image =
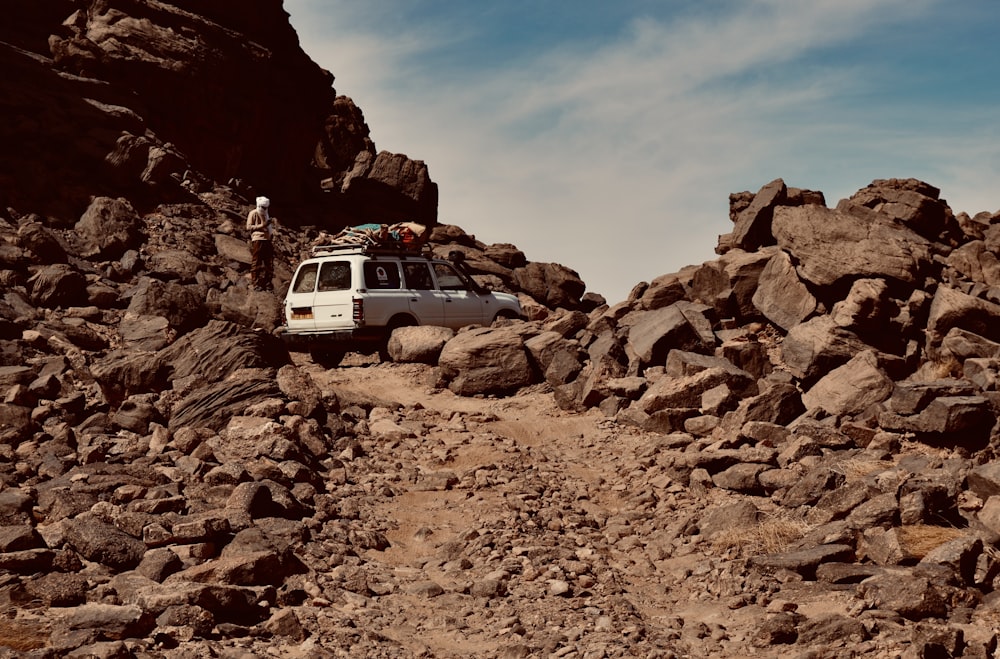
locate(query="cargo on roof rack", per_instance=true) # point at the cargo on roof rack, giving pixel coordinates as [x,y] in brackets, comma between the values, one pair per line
[399,238]
[363,248]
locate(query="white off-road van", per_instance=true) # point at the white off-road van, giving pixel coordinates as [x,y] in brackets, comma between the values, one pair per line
[348,298]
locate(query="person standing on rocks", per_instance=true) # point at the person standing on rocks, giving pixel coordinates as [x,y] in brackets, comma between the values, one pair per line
[261,251]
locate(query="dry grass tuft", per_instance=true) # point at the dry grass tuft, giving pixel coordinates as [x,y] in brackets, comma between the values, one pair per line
[771,535]
[23,634]
[920,539]
[856,468]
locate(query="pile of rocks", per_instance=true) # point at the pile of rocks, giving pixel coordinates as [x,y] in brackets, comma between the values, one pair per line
[170,474]
[797,367]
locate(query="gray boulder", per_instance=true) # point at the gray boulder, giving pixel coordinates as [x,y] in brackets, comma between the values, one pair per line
[913,203]
[552,284]
[422,344]
[850,388]
[683,325]
[686,392]
[958,420]
[558,359]
[486,360]
[728,284]
[103,543]
[781,296]
[212,406]
[666,290]
[951,308]
[183,306]
[817,346]
[976,262]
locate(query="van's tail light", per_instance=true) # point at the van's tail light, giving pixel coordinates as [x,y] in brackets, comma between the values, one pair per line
[359,311]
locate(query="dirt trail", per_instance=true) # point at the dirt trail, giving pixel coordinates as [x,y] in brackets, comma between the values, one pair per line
[590,537]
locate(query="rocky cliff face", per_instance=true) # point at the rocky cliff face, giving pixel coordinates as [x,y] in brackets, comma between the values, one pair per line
[152,101]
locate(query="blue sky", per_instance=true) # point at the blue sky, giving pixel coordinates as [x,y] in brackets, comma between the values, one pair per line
[607,136]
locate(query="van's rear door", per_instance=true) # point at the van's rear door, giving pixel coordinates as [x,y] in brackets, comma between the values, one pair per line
[299,315]
[332,304]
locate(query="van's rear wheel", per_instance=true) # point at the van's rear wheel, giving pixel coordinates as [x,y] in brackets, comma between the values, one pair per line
[326,357]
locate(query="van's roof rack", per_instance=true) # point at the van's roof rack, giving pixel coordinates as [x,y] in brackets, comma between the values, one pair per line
[381,249]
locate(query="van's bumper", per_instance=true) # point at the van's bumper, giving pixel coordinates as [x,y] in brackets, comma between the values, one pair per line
[347,339]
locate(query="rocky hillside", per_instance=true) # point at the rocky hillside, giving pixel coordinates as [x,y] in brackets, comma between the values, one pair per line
[786,451]
[154,101]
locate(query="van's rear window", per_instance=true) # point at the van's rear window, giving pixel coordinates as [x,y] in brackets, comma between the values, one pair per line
[305,281]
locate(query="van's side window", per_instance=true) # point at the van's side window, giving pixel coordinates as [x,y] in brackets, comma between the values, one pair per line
[305,282]
[448,278]
[380,275]
[334,276]
[418,276]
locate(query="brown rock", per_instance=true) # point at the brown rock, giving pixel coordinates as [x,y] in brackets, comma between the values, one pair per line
[851,388]
[486,360]
[781,295]
[914,598]
[753,226]
[102,543]
[849,242]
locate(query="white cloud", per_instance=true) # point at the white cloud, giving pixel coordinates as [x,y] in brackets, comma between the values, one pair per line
[617,161]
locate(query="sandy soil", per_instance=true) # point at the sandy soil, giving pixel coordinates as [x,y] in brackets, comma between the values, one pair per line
[591,535]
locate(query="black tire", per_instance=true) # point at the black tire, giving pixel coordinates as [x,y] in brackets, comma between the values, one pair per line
[505,314]
[327,357]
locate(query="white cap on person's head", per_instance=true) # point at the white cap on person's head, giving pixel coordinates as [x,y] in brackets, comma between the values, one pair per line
[263,202]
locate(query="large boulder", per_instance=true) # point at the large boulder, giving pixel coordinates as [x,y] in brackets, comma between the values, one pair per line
[682,326]
[912,202]
[687,391]
[109,228]
[58,285]
[182,305]
[486,360]
[952,308]
[211,353]
[977,262]
[214,405]
[753,227]
[818,345]
[552,284]
[421,344]
[851,388]
[729,283]
[836,245]
[781,296]
[122,374]
[392,187]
